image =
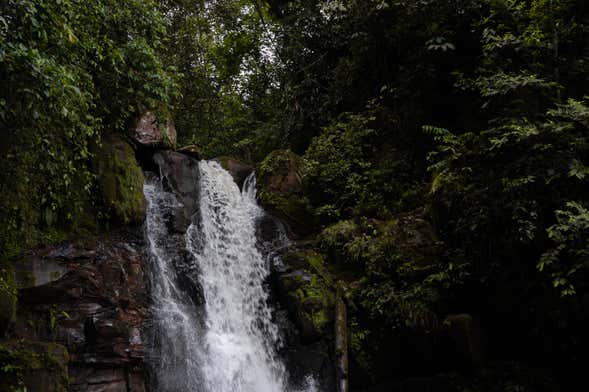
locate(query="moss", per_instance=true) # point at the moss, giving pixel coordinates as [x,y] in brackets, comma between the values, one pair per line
[224,162]
[293,209]
[280,190]
[316,296]
[121,181]
[277,163]
[27,365]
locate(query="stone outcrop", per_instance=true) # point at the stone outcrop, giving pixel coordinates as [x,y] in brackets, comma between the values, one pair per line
[304,290]
[154,130]
[239,170]
[191,150]
[180,176]
[280,190]
[88,300]
[307,293]
[120,180]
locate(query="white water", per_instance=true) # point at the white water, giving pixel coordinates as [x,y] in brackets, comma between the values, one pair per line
[239,342]
[175,323]
[230,344]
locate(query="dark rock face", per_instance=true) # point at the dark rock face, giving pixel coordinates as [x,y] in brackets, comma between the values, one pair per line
[306,291]
[238,170]
[190,150]
[281,190]
[151,131]
[306,294]
[180,174]
[93,304]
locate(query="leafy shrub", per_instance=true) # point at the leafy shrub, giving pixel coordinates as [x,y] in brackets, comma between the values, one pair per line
[70,70]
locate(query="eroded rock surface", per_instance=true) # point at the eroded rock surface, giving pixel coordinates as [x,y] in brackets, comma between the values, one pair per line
[151,130]
[90,298]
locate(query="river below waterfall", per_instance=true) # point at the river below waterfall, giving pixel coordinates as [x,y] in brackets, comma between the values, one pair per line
[223,339]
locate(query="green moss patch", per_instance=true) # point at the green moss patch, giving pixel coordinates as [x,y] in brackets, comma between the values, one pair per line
[26,365]
[315,296]
[121,181]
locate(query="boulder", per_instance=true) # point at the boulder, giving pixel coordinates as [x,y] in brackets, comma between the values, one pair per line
[306,310]
[120,180]
[154,130]
[238,170]
[280,190]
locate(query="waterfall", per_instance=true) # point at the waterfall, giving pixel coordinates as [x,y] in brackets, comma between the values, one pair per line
[229,342]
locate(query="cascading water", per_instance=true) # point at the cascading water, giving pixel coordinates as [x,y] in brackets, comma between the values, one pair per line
[229,343]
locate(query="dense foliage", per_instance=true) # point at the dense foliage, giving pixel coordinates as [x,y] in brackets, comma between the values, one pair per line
[443,151]
[70,72]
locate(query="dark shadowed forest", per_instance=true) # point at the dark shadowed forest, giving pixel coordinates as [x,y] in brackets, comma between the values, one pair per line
[427,157]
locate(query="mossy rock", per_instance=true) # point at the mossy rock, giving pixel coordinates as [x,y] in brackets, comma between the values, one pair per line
[7,299]
[310,296]
[281,190]
[406,245]
[121,181]
[33,366]
[281,172]
[155,129]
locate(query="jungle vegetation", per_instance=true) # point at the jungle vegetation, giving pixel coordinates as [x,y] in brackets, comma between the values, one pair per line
[472,115]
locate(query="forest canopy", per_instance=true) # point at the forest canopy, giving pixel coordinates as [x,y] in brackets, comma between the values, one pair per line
[472,116]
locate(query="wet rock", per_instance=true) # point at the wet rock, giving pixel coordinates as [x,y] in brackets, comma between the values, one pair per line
[306,292]
[96,309]
[154,130]
[180,176]
[102,380]
[280,190]
[238,170]
[39,272]
[191,150]
[341,345]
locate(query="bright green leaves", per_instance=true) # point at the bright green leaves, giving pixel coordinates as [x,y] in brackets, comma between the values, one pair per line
[220,49]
